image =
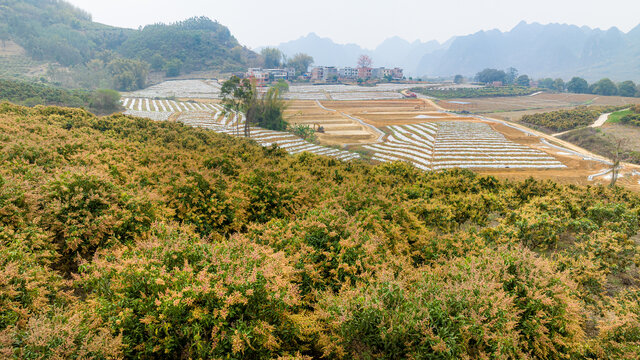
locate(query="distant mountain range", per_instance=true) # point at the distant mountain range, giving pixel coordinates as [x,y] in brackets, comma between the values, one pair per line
[553,50]
[392,52]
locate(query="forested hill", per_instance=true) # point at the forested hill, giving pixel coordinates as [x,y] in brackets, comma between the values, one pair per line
[56,31]
[197,43]
[122,237]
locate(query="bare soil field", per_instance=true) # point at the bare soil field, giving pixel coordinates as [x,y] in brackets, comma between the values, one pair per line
[381,113]
[338,128]
[513,108]
[631,134]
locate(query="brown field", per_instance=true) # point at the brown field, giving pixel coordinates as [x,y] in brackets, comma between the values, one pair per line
[381,113]
[338,128]
[513,108]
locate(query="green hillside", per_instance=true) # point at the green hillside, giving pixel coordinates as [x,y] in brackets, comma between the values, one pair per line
[101,101]
[57,32]
[124,237]
[197,43]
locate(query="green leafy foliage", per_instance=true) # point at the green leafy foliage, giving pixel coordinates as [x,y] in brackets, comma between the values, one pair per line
[124,237]
[194,44]
[506,303]
[563,120]
[58,32]
[304,131]
[633,118]
[31,94]
[476,92]
[178,295]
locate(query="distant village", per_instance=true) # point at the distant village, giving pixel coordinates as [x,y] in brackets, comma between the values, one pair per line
[326,74]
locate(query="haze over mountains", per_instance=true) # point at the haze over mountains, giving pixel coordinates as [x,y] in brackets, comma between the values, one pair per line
[553,50]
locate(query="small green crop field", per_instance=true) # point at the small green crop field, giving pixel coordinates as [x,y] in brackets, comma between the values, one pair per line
[616,116]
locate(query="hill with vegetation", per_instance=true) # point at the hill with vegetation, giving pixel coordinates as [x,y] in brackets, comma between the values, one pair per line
[606,141]
[31,94]
[91,53]
[563,120]
[124,237]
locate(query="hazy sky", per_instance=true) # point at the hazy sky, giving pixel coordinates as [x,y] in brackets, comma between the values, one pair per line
[365,22]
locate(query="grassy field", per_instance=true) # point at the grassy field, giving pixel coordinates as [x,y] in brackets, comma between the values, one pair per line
[615,117]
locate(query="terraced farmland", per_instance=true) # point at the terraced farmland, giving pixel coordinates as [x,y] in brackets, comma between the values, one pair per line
[348,92]
[448,144]
[338,128]
[213,117]
[192,89]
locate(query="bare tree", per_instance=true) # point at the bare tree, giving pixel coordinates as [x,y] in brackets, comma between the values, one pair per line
[364,61]
[616,157]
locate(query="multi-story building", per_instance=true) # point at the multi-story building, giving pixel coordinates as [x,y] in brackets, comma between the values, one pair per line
[347,73]
[317,73]
[365,73]
[384,73]
[397,73]
[330,73]
[258,74]
[324,73]
[264,75]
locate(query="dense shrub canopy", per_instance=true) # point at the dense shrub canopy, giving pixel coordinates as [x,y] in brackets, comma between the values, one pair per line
[121,236]
[477,92]
[563,120]
[31,94]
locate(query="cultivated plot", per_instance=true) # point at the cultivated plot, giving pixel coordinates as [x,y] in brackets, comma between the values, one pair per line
[514,107]
[348,92]
[191,89]
[214,117]
[337,127]
[234,125]
[441,145]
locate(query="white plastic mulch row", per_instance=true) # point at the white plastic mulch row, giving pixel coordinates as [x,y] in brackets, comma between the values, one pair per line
[153,115]
[399,153]
[196,89]
[440,145]
[387,158]
[146,104]
[232,124]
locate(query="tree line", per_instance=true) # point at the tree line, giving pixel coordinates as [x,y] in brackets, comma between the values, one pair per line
[508,77]
[511,90]
[577,85]
[275,59]
[31,94]
[604,87]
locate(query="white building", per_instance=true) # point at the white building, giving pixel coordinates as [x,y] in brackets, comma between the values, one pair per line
[348,73]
